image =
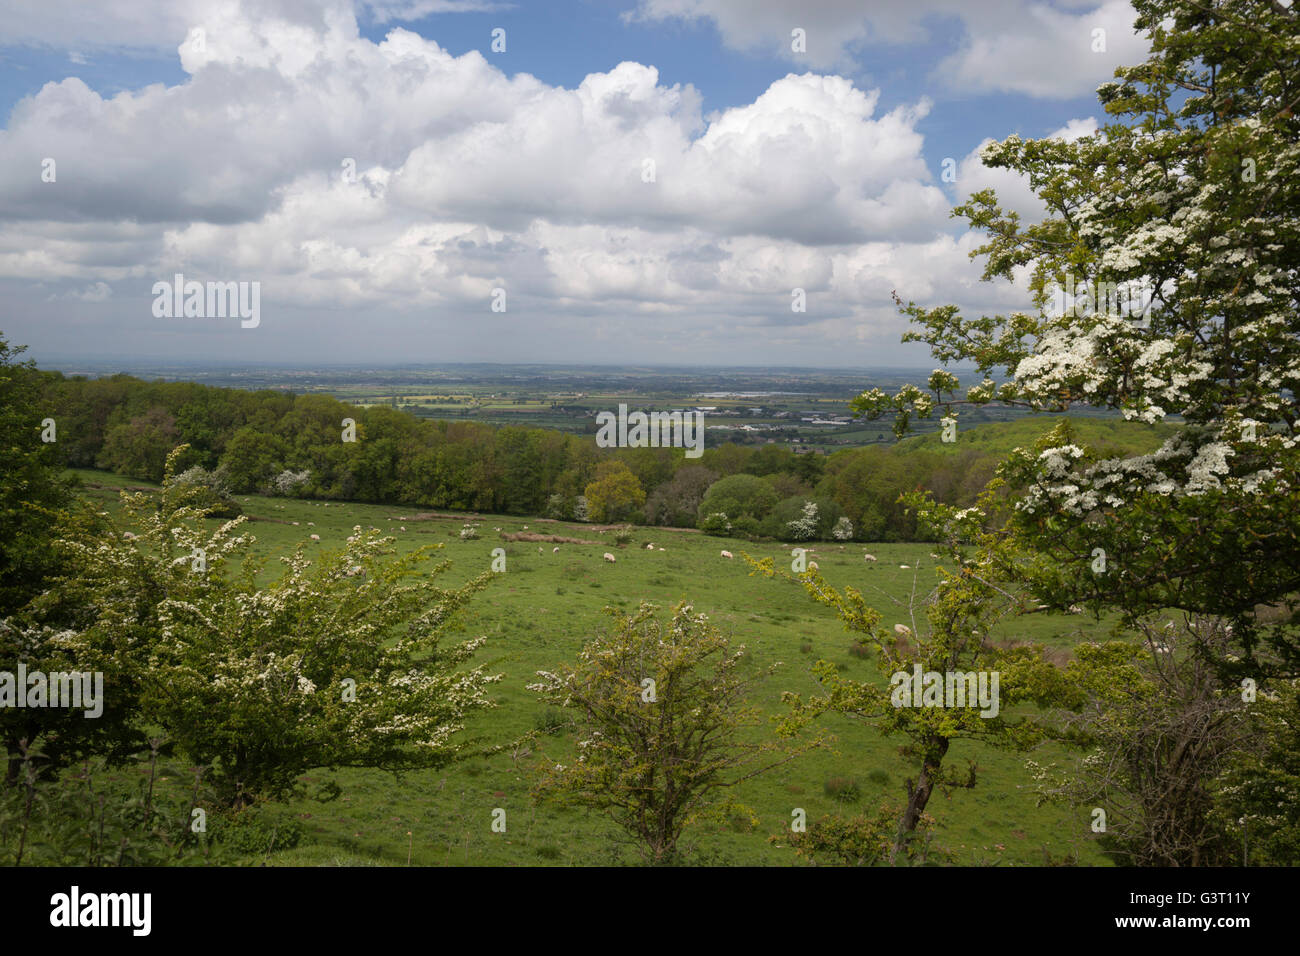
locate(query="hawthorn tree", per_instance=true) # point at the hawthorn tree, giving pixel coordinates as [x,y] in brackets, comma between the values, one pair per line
[339,661]
[664,727]
[1193,195]
[1188,203]
[952,634]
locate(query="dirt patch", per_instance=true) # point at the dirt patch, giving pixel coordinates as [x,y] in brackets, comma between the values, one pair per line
[548,538]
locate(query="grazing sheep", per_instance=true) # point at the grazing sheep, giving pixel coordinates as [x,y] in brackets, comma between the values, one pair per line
[315,537]
[726,554]
[650,547]
[902,629]
[539,549]
[129,536]
[402,528]
[555,550]
[295,524]
[1075,609]
[609,557]
[905,567]
[311,524]
[660,549]
[869,557]
[813,566]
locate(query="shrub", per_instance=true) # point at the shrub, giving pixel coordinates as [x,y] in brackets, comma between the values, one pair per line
[843,789]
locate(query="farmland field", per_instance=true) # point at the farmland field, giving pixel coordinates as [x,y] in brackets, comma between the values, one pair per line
[538,614]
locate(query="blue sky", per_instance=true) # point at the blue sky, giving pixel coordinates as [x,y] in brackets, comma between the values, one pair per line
[171,161]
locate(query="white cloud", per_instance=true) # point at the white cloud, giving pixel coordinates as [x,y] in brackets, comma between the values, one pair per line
[1022,46]
[467,180]
[1013,190]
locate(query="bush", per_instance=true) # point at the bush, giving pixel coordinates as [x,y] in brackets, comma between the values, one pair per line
[248,833]
[551,721]
[843,789]
[715,523]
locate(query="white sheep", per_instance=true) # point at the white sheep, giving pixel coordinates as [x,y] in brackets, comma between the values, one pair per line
[650,547]
[660,549]
[727,554]
[315,537]
[869,557]
[813,565]
[609,557]
[555,550]
[905,567]
[902,629]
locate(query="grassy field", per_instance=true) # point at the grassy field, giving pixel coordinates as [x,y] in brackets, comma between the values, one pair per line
[541,611]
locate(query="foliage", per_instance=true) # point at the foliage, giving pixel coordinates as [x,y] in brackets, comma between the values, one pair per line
[337,662]
[1154,727]
[615,494]
[656,757]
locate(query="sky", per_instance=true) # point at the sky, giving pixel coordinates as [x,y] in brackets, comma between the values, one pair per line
[620,182]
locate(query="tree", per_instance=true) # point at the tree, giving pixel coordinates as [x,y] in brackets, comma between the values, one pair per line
[954,646]
[338,662]
[739,497]
[677,501]
[1179,227]
[139,448]
[1154,728]
[615,494]
[33,492]
[663,724]
[1196,203]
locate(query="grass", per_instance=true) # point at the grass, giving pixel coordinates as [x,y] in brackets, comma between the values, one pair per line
[540,612]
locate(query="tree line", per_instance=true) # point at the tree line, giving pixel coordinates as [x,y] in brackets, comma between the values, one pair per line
[280,443]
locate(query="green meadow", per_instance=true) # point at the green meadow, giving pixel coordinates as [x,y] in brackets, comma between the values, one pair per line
[541,610]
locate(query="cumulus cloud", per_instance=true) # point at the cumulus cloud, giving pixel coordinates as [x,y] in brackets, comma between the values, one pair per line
[393,183]
[1023,46]
[1013,190]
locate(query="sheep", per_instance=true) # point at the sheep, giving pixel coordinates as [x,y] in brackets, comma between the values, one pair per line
[660,549]
[402,528]
[726,554]
[868,557]
[295,524]
[902,629]
[609,557]
[905,567]
[315,537]
[129,536]
[812,565]
[539,549]
[311,524]
[650,546]
[555,550]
